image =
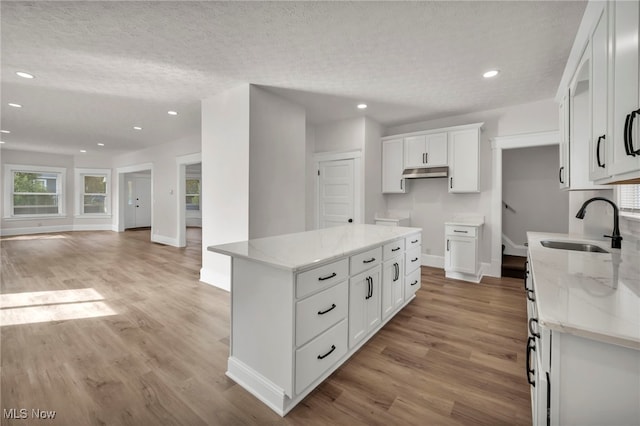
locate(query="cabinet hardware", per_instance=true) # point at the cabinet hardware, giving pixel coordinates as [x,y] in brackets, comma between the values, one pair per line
[333,306]
[533,333]
[423,158]
[333,348]
[401,180]
[327,277]
[415,282]
[426,158]
[447,245]
[451,182]
[461,232]
[531,346]
[560,174]
[629,132]
[369,288]
[530,295]
[600,138]
[395,249]
[396,275]
[526,273]
[413,260]
[369,261]
[414,241]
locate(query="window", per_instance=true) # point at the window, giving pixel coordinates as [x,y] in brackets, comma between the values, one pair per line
[629,198]
[33,191]
[193,194]
[94,196]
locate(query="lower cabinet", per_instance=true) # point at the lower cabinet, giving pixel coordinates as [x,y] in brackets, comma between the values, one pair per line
[364,304]
[461,259]
[392,286]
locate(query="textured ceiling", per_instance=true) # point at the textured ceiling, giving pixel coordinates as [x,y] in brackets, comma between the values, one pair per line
[103,67]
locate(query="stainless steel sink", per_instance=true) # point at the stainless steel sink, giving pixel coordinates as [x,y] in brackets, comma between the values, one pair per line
[568,245]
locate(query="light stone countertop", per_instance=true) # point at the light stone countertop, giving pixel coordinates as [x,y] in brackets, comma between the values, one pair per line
[304,250]
[592,295]
[466,221]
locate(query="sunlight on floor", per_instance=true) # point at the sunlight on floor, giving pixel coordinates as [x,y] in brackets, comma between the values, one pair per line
[45,306]
[34,237]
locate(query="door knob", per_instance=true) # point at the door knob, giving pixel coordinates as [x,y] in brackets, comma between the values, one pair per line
[350,220]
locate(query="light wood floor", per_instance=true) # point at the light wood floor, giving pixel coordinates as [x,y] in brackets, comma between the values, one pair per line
[455,355]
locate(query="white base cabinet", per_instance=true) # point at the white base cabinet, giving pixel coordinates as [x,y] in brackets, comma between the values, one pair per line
[461,257]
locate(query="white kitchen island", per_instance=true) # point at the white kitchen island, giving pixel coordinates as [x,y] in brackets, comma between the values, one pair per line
[302,304]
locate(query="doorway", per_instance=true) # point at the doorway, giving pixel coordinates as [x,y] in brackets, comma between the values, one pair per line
[339,189]
[137,208]
[189,199]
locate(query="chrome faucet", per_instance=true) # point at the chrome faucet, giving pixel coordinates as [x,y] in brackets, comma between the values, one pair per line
[615,236]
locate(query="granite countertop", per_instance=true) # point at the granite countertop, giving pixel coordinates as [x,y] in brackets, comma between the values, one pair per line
[466,221]
[303,250]
[593,295]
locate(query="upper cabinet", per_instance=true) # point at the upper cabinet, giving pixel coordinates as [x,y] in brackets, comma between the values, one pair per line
[604,65]
[456,147]
[425,150]
[563,171]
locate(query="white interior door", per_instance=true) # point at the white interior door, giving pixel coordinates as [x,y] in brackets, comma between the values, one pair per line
[142,202]
[336,193]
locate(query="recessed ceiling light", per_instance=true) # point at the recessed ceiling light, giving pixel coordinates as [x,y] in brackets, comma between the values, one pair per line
[362,106]
[83,150]
[5,131]
[137,128]
[172,112]
[100,144]
[25,74]
[15,105]
[491,73]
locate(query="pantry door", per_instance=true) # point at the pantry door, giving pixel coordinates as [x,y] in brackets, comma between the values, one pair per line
[336,193]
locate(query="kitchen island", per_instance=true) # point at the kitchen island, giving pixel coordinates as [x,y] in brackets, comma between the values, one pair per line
[303,303]
[583,352]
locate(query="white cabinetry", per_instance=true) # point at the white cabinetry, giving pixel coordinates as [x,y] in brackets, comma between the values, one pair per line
[412,279]
[364,304]
[425,150]
[393,166]
[599,141]
[464,156]
[563,171]
[461,259]
[392,278]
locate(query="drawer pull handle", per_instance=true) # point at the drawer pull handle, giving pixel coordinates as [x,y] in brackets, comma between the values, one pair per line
[369,261]
[327,277]
[530,296]
[461,232]
[369,288]
[333,348]
[333,306]
[533,333]
[413,260]
[531,346]
[395,249]
[414,241]
[397,270]
[415,282]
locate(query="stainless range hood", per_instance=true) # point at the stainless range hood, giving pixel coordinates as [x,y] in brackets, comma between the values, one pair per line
[425,172]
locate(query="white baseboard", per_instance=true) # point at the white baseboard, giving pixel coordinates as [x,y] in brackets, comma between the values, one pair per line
[162,239]
[432,261]
[215,279]
[512,248]
[103,227]
[491,269]
[7,232]
[257,385]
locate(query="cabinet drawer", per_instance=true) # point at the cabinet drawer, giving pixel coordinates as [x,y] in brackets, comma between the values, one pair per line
[363,261]
[412,260]
[322,277]
[320,354]
[391,250]
[412,283]
[413,241]
[320,311]
[461,231]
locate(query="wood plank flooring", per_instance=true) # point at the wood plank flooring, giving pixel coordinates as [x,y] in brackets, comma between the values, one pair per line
[454,356]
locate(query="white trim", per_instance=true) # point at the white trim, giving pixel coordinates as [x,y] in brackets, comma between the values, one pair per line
[358,185]
[79,191]
[512,248]
[213,278]
[103,227]
[182,161]
[5,232]
[121,172]
[163,239]
[438,130]
[61,188]
[499,143]
[432,261]
[262,388]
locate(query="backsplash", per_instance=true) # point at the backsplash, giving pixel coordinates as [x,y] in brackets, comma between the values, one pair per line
[629,228]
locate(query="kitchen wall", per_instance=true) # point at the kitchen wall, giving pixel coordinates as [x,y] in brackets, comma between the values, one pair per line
[428,200]
[374,201]
[310,181]
[530,187]
[13,226]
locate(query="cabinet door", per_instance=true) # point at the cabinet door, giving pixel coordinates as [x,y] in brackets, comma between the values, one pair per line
[414,151]
[599,111]
[364,304]
[436,150]
[463,160]
[392,166]
[625,17]
[460,255]
[373,306]
[392,289]
[563,172]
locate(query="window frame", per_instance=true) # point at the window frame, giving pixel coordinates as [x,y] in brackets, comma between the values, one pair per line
[199,179]
[79,198]
[8,196]
[627,214]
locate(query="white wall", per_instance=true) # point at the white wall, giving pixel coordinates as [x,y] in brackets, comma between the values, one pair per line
[428,199]
[374,201]
[163,185]
[13,226]
[340,136]
[277,165]
[310,181]
[530,187]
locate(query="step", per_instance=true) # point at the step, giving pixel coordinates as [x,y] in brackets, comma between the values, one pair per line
[513,266]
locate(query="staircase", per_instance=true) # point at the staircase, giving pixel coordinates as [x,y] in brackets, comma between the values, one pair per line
[513,266]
